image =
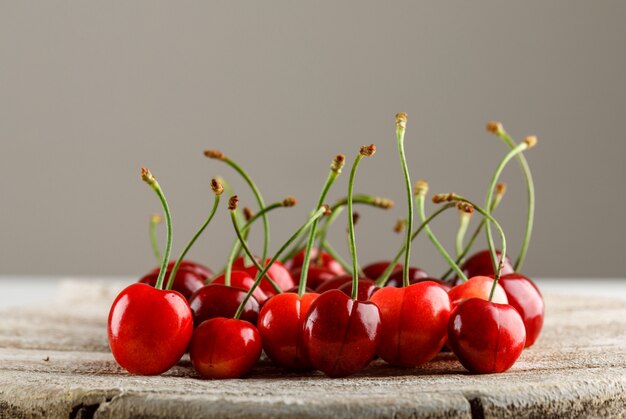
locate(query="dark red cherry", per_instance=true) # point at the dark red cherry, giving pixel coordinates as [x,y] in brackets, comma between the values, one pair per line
[281,324]
[186,281]
[327,261]
[242,279]
[279,274]
[316,276]
[487,337]
[477,287]
[224,348]
[376,269]
[333,283]
[367,287]
[479,264]
[525,297]
[341,334]
[197,268]
[217,300]
[414,323]
[149,329]
[415,275]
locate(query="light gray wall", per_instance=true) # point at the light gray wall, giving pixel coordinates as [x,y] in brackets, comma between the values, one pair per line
[91,91]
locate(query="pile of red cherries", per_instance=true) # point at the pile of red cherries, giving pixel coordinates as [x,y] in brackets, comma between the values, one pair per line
[309,309]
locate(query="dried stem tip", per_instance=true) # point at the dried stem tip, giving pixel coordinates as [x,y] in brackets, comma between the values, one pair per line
[399,225]
[401,118]
[531,141]
[420,188]
[147,177]
[290,201]
[444,197]
[214,154]
[466,207]
[327,210]
[368,150]
[247,213]
[384,203]
[495,127]
[217,186]
[233,203]
[338,163]
[356,217]
[501,189]
[156,219]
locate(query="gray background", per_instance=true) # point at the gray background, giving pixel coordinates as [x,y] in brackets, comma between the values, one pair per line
[91,91]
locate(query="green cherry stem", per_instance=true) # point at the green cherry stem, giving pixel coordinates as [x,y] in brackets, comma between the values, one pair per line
[421,189]
[529,142]
[263,271]
[155,220]
[496,128]
[366,151]
[335,170]
[401,119]
[335,255]
[147,177]
[215,154]
[382,279]
[218,189]
[464,221]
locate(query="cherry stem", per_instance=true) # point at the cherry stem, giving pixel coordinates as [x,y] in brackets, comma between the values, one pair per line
[337,257]
[401,119]
[364,152]
[218,189]
[530,191]
[263,271]
[421,190]
[528,143]
[155,219]
[255,190]
[335,171]
[464,221]
[382,279]
[147,177]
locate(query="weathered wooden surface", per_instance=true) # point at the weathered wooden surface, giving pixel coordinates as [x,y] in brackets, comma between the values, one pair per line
[54,362]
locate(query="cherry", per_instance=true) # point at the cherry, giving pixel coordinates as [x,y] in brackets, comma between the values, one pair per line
[242,279]
[414,323]
[224,348]
[186,281]
[334,283]
[325,261]
[197,268]
[477,287]
[315,277]
[376,269]
[480,264]
[525,297]
[415,275]
[277,272]
[216,300]
[366,289]
[487,337]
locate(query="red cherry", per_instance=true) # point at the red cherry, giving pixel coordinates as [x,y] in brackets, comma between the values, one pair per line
[525,297]
[479,264]
[224,348]
[367,287]
[477,287]
[242,279]
[415,275]
[376,269]
[341,334]
[217,300]
[316,276]
[186,281]
[333,283]
[197,268]
[279,274]
[327,261]
[280,325]
[414,323]
[487,337]
[149,329]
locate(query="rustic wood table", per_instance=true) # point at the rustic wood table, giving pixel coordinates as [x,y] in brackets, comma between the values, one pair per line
[55,362]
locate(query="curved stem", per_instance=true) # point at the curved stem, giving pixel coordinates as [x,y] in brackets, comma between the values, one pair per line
[464,220]
[355,263]
[155,220]
[180,259]
[400,130]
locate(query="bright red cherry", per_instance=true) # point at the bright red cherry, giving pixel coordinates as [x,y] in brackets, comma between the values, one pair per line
[479,264]
[414,323]
[224,348]
[186,281]
[477,287]
[367,287]
[487,337]
[280,325]
[327,261]
[341,334]
[316,276]
[242,279]
[525,297]
[376,269]
[279,274]
[217,300]
[149,329]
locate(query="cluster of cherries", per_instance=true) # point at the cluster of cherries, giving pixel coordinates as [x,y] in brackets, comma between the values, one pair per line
[308,309]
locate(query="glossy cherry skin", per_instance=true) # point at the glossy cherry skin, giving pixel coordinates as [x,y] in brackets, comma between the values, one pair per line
[334,283]
[316,276]
[149,329]
[525,297]
[415,275]
[280,325]
[414,323]
[186,281]
[327,261]
[376,269]
[217,300]
[242,279]
[197,268]
[487,337]
[479,264]
[477,287]
[279,274]
[367,287]
[340,334]
[224,348]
